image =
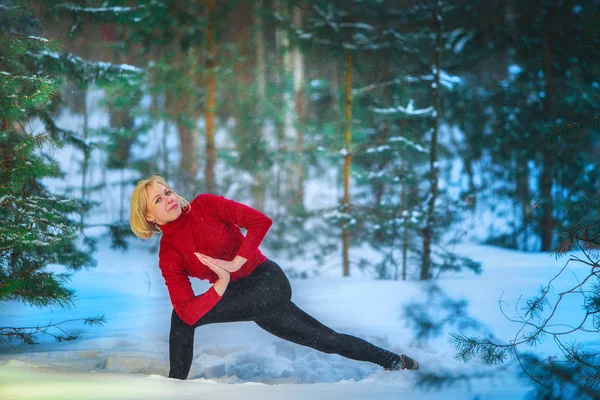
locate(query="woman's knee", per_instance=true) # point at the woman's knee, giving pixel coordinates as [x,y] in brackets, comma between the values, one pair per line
[178,324]
[282,289]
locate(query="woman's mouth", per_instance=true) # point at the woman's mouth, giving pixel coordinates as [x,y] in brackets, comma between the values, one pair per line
[174,206]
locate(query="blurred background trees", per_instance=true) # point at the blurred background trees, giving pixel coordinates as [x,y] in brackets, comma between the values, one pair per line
[390,128]
[420,115]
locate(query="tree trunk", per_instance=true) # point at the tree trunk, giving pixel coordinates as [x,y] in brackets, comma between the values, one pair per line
[523,195]
[300,112]
[259,188]
[209,172]
[523,190]
[281,50]
[288,112]
[120,119]
[433,163]
[347,155]
[546,178]
[189,143]
[86,154]
[404,209]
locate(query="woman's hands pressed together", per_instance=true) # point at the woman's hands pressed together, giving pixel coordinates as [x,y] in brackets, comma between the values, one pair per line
[222,268]
[229,266]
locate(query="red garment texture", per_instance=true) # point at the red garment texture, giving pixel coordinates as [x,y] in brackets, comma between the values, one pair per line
[211,226]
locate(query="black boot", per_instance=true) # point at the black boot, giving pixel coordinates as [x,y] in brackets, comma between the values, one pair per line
[404,362]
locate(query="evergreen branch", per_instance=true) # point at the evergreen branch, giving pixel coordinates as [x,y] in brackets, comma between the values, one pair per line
[39,92]
[574,355]
[581,370]
[27,335]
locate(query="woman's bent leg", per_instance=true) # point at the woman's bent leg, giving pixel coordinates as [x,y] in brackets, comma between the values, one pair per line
[181,347]
[293,324]
[243,300]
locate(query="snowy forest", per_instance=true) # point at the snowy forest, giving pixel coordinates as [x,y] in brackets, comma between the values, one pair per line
[429,165]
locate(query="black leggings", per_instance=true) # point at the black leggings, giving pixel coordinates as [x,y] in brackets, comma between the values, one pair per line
[265,298]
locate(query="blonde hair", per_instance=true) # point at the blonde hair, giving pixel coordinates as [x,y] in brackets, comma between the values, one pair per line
[139,203]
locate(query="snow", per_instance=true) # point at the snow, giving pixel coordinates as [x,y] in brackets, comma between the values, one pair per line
[408,142]
[94,64]
[41,39]
[128,357]
[75,8]
[409,109]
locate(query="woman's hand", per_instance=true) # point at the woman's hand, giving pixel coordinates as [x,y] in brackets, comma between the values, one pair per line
[229,266]
[223,281]
[221,272]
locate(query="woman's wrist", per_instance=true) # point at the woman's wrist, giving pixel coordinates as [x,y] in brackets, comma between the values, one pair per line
[220,285]
[239,261]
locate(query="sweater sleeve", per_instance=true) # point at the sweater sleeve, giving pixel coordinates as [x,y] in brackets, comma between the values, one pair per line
[256,223]
[189,307]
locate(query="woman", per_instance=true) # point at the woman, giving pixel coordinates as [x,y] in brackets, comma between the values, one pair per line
[202,239]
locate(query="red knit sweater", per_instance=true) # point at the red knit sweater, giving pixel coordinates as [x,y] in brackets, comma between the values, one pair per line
[211,227]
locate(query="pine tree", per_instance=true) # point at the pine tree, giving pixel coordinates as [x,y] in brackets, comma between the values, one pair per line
[575,372]
[37,227]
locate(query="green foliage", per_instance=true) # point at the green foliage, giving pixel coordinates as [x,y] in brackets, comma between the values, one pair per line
[37,228]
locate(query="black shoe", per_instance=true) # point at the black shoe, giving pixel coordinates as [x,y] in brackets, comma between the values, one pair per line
[404,362]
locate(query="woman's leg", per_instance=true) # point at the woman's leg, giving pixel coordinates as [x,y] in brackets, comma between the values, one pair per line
[264,290]
[287,321]
[293,324]
[181,347]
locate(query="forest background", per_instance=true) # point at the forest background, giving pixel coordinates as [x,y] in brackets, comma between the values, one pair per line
[432,122]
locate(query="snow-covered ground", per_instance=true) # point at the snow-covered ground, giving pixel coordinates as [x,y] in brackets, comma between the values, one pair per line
[127,358]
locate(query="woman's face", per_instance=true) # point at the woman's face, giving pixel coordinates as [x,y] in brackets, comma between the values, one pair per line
[163,205]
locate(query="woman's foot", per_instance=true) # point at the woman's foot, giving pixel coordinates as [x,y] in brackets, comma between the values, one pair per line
[404,362]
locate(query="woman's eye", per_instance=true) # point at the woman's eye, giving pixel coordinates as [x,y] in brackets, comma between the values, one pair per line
[168,192]
[157,200]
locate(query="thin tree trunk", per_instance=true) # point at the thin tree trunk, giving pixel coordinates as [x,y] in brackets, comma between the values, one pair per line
[288,111]
[347,155]
[523,195]
[5,155]
[298,72]
[260,186]
[279,120]
[546,179]
[404,209]
[121,119]
[209,173]
[433,163]
[86,155]
[165,153]
[189,144]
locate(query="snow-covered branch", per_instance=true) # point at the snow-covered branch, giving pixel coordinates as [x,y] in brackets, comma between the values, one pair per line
[77,8]
[409,110]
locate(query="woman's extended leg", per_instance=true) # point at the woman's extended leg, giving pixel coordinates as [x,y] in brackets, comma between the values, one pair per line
[293,324]
[287,321]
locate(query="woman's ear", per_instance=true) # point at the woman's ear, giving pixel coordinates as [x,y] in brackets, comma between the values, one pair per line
[149,218]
